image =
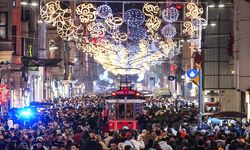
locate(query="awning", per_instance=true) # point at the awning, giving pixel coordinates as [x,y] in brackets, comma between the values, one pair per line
[229,114]
[38,62]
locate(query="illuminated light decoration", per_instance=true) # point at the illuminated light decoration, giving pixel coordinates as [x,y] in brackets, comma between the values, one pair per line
[189,28]
[51,12]
[154,47]
[168,31]
[137,33]
[107,49]
[112,31]
[173,52]
[86,12]
[178,6]
[119,37]
[193,11]
[96,29]
[195,43]
[118,61]
[114,22]
[197,22]
[67,29]
[153,24]
[104,11]
[86,46]
[134,17]
[133,48]
[150,10]
[170,14]
[154,36]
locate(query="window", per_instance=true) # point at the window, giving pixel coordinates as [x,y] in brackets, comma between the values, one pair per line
[130,111]
[3,25]
[14,3]
[121,110]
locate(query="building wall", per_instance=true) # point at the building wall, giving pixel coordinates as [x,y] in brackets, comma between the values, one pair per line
[231,101]
[217,69]
[241,48]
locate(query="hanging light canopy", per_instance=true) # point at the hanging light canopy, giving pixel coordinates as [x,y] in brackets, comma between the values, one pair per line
[99,33]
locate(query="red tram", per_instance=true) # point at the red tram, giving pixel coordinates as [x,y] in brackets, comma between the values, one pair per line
[123,106]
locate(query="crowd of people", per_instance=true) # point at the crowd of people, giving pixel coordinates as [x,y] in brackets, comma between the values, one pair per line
[78,124]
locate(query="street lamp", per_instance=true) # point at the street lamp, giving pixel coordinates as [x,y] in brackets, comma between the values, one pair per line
[24,2]
[34,3]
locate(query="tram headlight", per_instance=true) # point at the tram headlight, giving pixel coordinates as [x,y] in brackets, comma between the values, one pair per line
[113,94]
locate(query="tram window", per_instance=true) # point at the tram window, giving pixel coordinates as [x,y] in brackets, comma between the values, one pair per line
[121,110]
[130,111]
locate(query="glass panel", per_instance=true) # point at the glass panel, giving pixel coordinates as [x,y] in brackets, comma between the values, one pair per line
[2,32]
[3,18]
[130,111]
[121,110]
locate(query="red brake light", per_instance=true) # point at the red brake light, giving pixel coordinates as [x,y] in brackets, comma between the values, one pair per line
[138,94]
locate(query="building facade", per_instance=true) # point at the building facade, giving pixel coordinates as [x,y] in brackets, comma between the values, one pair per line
[241,52]
[35,63]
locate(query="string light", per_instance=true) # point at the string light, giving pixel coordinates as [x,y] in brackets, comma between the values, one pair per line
[153,24]
[119,37]
[199,22]
[170,14]
[52,12]
[189,28]
[114,21]
[137,33]
[134,17]
[104,11]
[193,11]
[168,31]
[96,29]
[154,47]
[150,10]
[87,12]
[67,29]
[133,48]
[109,49]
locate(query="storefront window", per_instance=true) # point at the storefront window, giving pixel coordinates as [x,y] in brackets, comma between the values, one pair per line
[3,25]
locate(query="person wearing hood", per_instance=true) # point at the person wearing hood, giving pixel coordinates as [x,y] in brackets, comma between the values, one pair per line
[134,143]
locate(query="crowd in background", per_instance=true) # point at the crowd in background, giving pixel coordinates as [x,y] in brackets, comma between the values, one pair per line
[78,124]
